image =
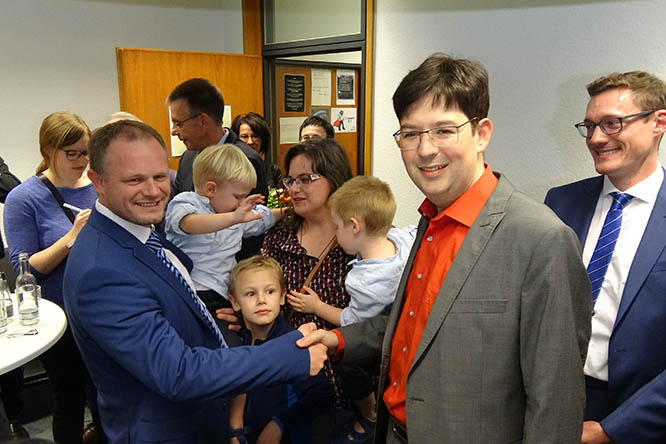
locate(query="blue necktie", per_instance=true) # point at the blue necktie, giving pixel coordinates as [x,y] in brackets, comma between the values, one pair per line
[156,245]
[603,251]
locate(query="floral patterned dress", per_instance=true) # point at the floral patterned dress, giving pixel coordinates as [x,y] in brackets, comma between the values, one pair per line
[281,243]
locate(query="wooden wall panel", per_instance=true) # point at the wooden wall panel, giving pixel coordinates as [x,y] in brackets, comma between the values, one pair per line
[348,140]
[252,27]
[147,76]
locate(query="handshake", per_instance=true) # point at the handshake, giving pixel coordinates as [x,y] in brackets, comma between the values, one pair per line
[322,345]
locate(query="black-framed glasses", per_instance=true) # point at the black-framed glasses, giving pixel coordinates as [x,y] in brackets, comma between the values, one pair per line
[179,124]
[302,180]
[441,136]
[609,125]
[74,154]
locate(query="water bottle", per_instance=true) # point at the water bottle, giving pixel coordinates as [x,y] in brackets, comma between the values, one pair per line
[6,296]
[26,292]
[3,309]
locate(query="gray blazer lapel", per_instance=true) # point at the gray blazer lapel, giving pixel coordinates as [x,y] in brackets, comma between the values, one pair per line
[473,246]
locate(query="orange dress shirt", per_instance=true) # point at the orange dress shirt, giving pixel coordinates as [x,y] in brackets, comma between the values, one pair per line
[444,236]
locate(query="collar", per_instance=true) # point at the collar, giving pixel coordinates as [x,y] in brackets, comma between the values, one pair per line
[646,190]
[139,231]
[224,137]
[467,207]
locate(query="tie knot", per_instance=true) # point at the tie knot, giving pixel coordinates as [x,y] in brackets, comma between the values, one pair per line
[154,242]
[620,199]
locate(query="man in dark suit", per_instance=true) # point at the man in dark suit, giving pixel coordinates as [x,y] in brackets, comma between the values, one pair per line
[197,108]
[486,338]
[160,365]
[620,219]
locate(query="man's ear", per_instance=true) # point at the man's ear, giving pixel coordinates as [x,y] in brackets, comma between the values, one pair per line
[484,130]
[97,181]
[356,225]
[660,122]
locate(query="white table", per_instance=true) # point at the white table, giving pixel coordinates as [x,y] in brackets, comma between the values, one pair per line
[16,351]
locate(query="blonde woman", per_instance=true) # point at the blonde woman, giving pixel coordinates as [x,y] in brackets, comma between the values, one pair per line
[37,224]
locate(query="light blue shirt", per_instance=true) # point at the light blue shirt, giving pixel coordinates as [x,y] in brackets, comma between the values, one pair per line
[372,283]
[213,254]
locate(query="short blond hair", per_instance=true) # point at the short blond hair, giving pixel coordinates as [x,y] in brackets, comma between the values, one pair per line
[368,199]
[648,91]
[255,263]
[221,164]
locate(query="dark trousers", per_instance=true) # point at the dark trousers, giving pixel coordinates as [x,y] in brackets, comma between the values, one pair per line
[68,376]
[596,405]
[11,386]
[356,382]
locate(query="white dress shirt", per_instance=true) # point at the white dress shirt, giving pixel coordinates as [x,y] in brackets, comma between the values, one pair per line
[635,216]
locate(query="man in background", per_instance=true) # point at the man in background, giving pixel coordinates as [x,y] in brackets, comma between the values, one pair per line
[314,127]
[197,108]
[620,219]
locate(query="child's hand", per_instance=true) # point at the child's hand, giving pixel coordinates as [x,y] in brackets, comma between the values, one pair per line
[304,302]
[244,211]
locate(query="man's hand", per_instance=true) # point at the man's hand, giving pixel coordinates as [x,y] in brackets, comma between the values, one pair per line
[317,350]
[322,337]
[271,434]
[229,315]
[244,211]
[304,302]
[593,433]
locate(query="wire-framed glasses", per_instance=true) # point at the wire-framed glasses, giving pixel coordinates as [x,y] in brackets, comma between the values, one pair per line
[442,136]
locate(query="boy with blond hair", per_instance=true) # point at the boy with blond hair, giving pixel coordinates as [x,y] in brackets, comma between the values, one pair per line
[362,209]
[210,223]
[282,412]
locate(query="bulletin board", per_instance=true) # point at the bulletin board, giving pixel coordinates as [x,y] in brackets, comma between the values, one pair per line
[147,76]
[294,81]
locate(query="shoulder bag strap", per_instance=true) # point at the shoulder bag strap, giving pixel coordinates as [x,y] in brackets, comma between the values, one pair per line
[45,180]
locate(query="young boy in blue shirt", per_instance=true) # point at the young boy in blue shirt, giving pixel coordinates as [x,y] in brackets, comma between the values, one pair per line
[283,412]
[210,223]
[362,209]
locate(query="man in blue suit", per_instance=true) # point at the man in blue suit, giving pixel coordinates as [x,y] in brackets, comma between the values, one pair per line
[161,366]
[620,219]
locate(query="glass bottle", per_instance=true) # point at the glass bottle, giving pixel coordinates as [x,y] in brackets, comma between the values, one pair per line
[6,296]
[3,310]
[26,293]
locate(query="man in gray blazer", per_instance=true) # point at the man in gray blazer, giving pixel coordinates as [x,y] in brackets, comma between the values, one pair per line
[488,333]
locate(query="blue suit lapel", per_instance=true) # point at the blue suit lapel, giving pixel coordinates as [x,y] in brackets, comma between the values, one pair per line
[650,248]
[580,218]
[146,256]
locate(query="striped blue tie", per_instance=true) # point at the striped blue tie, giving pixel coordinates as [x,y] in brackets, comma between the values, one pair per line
[603,251]
[156,245]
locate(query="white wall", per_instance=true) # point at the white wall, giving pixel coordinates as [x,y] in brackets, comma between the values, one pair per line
[60,55]
[539,59]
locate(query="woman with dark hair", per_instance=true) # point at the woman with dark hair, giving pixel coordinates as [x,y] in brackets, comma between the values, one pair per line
[304,242]
[37,224]
[253,130]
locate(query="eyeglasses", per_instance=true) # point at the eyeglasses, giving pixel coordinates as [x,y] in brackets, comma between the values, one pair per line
[74,154]
[177,124]
[303,180]
[440,137]
[609,125]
